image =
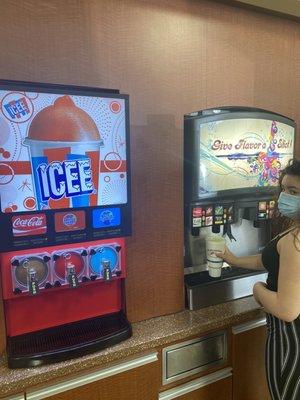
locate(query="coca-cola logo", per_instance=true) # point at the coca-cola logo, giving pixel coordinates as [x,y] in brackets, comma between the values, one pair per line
[197,212]
[34,221]
[25,225]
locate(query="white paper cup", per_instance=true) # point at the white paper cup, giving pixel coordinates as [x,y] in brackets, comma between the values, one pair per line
[214,263]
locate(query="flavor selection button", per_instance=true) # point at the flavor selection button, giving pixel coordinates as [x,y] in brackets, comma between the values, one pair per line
[69,221]
[106,217]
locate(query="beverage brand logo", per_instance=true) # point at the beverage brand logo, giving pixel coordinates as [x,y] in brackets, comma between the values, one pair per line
[25,225]
[18,108]
[69,219]
[197,212]
[67,178]
[106,217]
[103,218]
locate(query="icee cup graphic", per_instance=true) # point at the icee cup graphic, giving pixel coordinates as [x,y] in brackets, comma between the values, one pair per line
[64,144]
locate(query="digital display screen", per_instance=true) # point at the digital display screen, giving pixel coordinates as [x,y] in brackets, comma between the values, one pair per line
[61,151]
[243,153]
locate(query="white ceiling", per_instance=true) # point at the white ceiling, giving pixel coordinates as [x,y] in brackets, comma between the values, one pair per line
[289,7]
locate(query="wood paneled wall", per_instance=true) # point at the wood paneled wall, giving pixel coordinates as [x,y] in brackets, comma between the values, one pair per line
[171,57]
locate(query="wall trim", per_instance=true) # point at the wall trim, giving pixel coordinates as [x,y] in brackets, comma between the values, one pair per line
[91,377]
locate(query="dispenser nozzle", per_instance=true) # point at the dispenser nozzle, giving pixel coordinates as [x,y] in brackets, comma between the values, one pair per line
[216,229]
[256,224]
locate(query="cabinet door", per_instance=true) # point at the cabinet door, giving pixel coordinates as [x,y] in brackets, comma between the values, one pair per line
[215,386]
[136,383]
[249,376]
[220,390]
[14,397]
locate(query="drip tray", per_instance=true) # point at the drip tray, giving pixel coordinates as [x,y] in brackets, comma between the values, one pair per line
[203,277]
[202,290]
[67,341]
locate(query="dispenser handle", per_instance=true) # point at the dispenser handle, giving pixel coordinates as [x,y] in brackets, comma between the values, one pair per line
[107,275]
[227,231]
[32,280]
[71,275]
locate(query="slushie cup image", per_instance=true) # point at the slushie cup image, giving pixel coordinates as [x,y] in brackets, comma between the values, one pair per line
[214,263]
[64,144]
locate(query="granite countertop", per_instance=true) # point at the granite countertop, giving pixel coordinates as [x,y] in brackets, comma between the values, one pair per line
[147,335]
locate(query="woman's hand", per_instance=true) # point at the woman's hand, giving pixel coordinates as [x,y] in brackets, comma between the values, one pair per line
[227,256]
[256,290]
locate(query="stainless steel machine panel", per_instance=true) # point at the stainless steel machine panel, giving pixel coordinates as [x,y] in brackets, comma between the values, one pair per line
[221,291]
[187,358]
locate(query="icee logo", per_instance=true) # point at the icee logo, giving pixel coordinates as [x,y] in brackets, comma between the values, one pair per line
[17,108]
[67,178]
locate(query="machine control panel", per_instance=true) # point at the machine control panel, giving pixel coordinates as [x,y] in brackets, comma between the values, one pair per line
[212,214]
[265,209]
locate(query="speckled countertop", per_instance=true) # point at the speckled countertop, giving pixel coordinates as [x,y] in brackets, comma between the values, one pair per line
[147,335]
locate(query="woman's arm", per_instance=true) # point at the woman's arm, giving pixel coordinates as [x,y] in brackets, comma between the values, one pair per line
[285,303]
[249,262]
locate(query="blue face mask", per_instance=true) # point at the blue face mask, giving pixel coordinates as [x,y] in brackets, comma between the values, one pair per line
[289,205]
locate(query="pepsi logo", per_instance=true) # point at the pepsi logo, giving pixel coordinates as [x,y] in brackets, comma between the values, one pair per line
[69,219]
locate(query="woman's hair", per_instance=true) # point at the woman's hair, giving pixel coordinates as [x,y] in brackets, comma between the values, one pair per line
[281,223]
[292,168]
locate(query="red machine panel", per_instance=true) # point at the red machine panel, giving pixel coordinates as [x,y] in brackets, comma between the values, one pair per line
[61,284]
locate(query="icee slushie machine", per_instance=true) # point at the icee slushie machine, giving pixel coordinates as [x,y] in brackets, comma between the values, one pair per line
[65,210]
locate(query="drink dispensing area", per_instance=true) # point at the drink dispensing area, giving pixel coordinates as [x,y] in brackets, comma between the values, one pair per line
[232,160]
[144,190]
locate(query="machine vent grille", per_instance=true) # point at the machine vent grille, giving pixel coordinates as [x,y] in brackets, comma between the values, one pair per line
[67,341]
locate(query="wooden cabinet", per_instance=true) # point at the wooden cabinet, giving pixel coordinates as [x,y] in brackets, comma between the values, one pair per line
[188,359]
[221,390]
[249,377]
[194,369]
[217,385]
[243,379]
[15,397]
[196,356]
[137,379]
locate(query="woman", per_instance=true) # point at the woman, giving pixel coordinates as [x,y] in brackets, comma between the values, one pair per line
[280,296]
